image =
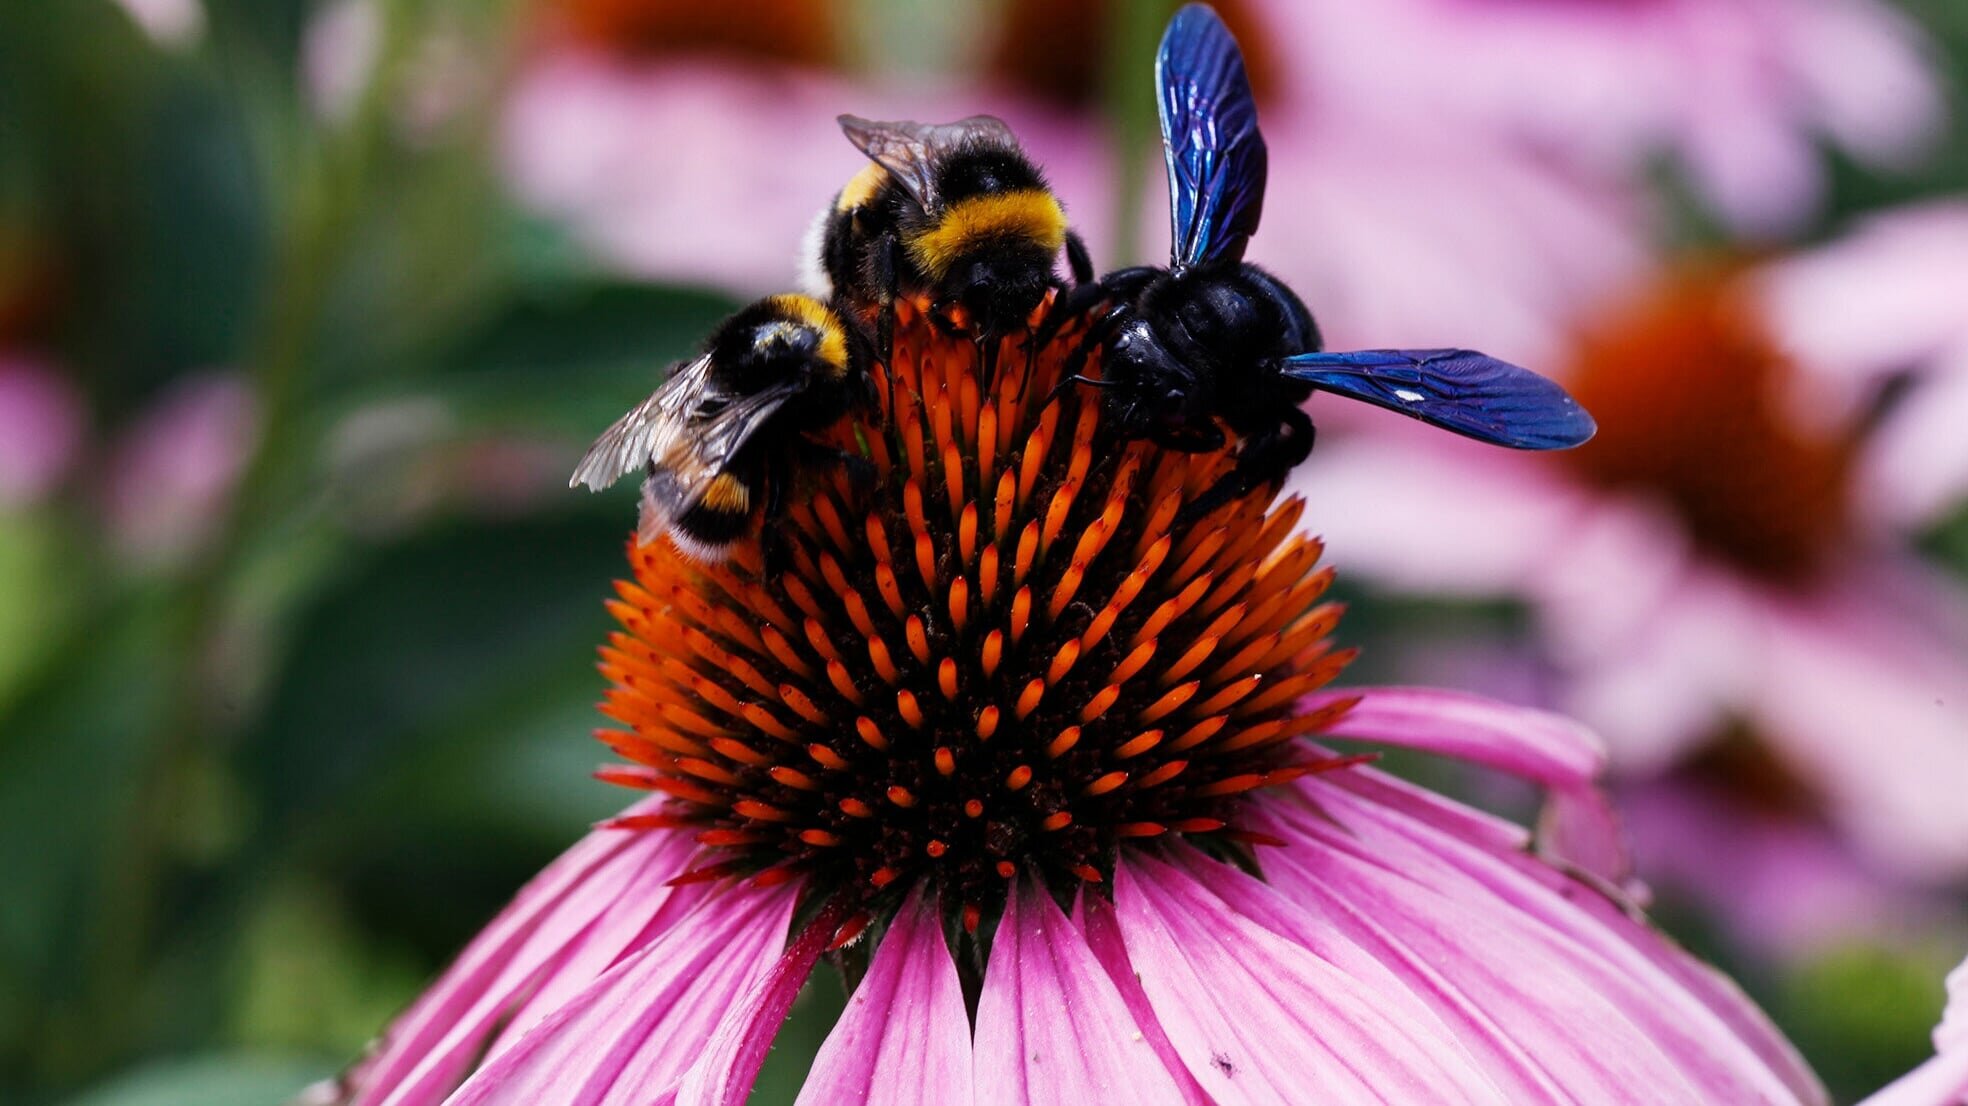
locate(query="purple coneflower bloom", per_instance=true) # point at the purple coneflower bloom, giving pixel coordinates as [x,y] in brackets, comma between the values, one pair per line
[1724,580]
[1055,766]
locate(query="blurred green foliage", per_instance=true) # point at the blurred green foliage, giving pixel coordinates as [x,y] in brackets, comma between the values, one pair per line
[251,799]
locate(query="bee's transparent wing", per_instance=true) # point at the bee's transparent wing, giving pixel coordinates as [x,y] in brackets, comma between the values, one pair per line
[909,150]
[649,431]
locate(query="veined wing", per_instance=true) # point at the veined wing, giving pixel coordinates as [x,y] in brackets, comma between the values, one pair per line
[1458,390]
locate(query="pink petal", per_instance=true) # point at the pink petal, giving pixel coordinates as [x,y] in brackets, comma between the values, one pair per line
[1850,665]
[633,1033]
[1384,252]
[615,921]
[1878,299]
[1404,511]
[1402,826]
[724,1075]
[1658,644]
[428,1049]
[1578,827]
[1258,1018]
[905,1036]
[1053,1028]
[1539,1008]
[1866,72]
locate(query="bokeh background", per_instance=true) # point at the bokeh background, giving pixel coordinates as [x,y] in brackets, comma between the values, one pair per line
[307,309]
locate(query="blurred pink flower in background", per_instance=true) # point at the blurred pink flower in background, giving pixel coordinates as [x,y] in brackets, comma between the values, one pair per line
[170,473]
[41,425]
[1786,887]
[1740,91]
[1723,581]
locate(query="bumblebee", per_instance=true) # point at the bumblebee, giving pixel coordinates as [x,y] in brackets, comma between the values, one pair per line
[954,212]
[727,432]
[1212,342]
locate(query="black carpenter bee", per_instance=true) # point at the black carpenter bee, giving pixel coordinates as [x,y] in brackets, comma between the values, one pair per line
[727,430]
[952,211]
[1212,341]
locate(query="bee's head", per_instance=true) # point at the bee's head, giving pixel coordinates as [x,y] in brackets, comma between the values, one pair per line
[998,294]
[1151,380]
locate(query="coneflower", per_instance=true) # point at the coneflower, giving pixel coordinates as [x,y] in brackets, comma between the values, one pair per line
[1043,751]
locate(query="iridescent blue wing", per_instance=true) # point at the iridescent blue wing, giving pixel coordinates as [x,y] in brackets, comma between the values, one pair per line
[1461,390]
[1216,158]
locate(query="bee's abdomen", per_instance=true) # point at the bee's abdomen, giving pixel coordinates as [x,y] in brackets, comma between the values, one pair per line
[720,517]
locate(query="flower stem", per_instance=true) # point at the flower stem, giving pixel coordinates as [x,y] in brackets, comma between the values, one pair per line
[1128,92]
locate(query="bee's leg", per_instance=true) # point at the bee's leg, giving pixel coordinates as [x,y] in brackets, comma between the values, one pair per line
[1078,260]
[1066,384]
[1191,439]
[1074,303]
[1120,285]
[819,456]
[775,547]
[987,360]
[1265,458]
[1096,336]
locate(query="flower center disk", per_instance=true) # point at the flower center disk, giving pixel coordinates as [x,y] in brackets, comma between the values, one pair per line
[1006,656]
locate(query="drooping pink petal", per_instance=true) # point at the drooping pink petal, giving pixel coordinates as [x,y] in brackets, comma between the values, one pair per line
[619,920]
[429,1048]
[1877,303]
[634,1032]
[724,1074]
[1260,1019]
[1655,680]
[1579,827]
[1385,253]
[1053,1028]
[1943,1080]
[1411,513]
[1401,827]
[1528,1027]
[1536,1003]
[1871,706]
[905,1036]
